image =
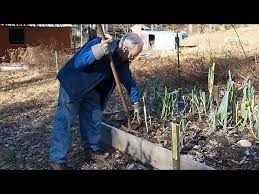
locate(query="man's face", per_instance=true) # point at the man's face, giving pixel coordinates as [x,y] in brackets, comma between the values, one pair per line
[128,54]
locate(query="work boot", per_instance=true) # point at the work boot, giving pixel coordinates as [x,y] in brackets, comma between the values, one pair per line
[57,166]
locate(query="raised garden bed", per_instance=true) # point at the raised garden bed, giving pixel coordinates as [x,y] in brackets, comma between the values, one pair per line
[225,140]
[145,151]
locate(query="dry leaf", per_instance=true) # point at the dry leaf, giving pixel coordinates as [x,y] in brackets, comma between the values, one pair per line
[158,133]
[165,142]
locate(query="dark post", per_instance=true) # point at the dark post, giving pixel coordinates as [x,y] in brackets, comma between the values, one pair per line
[177,41]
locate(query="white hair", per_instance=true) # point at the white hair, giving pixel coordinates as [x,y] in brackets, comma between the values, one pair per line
[130,39]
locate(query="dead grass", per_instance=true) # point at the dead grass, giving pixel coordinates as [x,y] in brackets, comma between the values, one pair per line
[29,97]
[215,47]
[195,70]
[220,40]
[42,57]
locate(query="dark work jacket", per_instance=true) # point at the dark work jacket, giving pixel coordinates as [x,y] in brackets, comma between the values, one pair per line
[83,72]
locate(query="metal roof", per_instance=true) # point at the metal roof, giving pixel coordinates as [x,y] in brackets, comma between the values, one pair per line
[39,25]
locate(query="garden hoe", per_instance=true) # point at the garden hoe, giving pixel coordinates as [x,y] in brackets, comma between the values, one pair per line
[116,77]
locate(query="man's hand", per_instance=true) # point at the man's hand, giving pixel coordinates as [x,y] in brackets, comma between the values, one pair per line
[108,36]
[137,109]
[102,49]
[106,45]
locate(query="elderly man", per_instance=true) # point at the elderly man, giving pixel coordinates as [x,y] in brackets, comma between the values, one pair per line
[86,83]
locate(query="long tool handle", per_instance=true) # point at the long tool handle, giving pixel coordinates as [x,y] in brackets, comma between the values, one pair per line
[116,77]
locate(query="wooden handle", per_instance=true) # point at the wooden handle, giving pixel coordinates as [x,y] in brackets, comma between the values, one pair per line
[116,77]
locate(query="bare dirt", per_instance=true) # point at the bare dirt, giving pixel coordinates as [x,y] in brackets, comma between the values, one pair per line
[28,102]
[219,150]
[27,105]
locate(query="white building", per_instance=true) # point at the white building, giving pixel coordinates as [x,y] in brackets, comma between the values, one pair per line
[156,39]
